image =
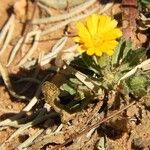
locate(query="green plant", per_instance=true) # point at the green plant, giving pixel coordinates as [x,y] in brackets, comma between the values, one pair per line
[94,74]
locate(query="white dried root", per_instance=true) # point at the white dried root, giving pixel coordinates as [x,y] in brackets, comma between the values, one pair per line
[66,22]
[32,49]
[5,76]
[30,140]
[64,16]
[6,33]
[45,8]
[14,51]
[54,51]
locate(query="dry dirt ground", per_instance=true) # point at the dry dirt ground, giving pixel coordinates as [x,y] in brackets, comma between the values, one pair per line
[130,130]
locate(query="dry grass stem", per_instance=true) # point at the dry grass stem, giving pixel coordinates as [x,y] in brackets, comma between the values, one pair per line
[45,8]
[29,36]
[6,27]
[9,34]
[32,103]
[106,7]
[29,141]
[6,79]
[96,125]
[54,51]
[66,22]
[8,121]
[39,119]
[65,16]
[14,51]
[134,70]
[31,50]
[19,119]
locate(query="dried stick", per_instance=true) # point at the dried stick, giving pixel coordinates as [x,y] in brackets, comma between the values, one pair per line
[18,120]
[33,101]
[133,71]
[27,38]
[55,50]
[6,28]
[96,125]
[67,15]
[31,50]
[27,125]
[64,23]
[9,34]
[106,7]
[14,51]
[44,7]
[45,139]
[39,119]
[9,120]
[5,76]
[29,141]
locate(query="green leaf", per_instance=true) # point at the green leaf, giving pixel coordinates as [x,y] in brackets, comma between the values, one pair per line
[75,81]
[127,48]
[118,53]
[103,61]
[138,85]
[124,68]
[145,1]
[90,63]
[68,89]
[134,57]
[81,95]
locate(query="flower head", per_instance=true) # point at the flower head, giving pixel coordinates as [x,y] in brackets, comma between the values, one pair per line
[98,35]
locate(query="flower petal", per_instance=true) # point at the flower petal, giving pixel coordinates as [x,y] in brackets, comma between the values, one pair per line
[113,34]
[83,32]
[90,51]
[103,23]
[92,24]
[98,52]
[98,35]
[109,46]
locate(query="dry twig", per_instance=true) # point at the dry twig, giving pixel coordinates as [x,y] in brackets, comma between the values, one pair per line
[7,32]
[64,23]
[32,49]
[96,125]
[67,15]
[5,76]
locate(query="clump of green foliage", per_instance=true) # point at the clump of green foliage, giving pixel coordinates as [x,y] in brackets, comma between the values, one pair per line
[97,74]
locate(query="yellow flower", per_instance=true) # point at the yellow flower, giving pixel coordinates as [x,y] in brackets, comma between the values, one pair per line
[97,35]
